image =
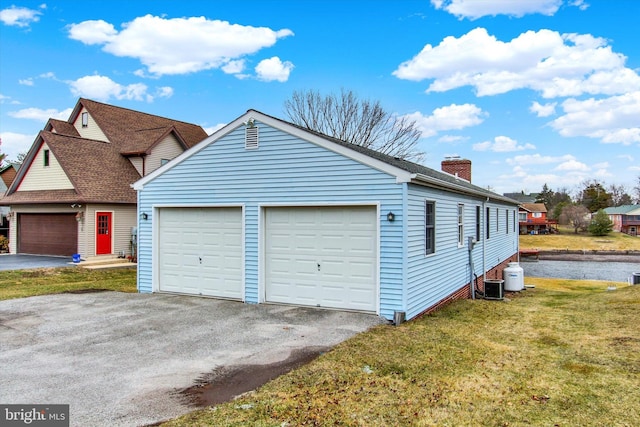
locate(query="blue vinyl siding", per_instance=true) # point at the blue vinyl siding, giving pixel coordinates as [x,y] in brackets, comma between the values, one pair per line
[431,278]
[283,170]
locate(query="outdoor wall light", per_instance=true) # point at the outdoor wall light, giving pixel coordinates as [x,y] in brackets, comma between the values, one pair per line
[144,216]
[391,217]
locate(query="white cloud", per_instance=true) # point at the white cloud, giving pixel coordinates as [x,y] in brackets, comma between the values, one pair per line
[93,32]
[553,64]
[502,144]
[601,165]
[30,81]
[612,120]
[15,143]
[580,4]
[102,88]
[572,165]
[233,67]
[474,9]
[452,117]
[7,99]
[452,138]
[179,45]
[19,16]
[541,110]
[41,115]
[274,69]
[537,159]
[164,92]
[211,129]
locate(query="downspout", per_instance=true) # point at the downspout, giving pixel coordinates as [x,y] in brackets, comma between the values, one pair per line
[484,241]
[471,243]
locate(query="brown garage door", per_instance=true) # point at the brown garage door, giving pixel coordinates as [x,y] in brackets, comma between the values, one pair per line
[47,234]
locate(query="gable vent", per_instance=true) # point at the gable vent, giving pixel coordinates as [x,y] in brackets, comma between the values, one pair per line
[251,138]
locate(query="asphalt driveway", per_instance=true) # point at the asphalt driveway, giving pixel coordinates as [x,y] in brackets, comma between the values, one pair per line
[119,359]
[23,262]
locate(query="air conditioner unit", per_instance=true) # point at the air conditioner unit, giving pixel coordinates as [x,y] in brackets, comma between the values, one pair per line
[494,289]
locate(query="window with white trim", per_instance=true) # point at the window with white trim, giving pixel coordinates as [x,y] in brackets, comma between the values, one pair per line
[478,222]
[460,225]
[488,220]
[506,221]
[429,227]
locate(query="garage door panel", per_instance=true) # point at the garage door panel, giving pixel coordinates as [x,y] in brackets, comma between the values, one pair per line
[204,246]
[342,240]
[48,234]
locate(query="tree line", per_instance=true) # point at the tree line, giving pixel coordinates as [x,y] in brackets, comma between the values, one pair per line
[593,197]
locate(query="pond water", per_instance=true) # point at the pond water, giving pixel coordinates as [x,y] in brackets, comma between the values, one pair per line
[581,270]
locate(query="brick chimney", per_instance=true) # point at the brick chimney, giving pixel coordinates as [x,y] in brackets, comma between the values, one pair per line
[458,167]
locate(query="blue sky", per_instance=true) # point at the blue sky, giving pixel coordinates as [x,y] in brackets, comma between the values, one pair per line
[531,91]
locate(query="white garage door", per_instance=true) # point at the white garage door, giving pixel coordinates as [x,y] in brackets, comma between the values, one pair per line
[322,256]
[200,251]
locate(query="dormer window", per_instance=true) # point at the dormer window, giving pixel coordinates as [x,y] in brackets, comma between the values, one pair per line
[45,155]
[85,119]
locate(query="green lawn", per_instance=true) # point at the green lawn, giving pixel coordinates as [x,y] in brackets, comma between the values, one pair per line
[565,353]
[25,283]
[567,239]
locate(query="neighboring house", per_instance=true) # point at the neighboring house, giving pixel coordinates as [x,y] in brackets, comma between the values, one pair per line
[276,213]
[7,174]
[521,197]
[73,192]
[626,219]
[533,219]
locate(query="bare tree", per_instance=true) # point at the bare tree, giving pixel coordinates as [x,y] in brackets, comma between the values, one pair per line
[578,216]
[619,195]
[359,122]
[637,190]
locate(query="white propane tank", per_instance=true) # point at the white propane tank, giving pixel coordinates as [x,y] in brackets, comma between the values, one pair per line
[513,277]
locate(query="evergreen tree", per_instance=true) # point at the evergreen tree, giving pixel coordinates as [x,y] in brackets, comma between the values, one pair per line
[600,225]
[595,197]
[545,196]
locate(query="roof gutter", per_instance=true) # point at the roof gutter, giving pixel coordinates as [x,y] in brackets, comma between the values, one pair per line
[421,179]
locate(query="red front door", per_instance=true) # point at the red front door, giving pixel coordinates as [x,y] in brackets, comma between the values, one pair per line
[103,233]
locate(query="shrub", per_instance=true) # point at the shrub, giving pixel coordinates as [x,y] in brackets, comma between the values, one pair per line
[4,244]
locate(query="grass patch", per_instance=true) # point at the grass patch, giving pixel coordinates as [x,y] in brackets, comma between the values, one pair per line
[567,239]
[564,353]
[26,283]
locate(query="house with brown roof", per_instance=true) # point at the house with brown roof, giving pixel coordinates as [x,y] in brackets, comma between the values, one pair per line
[7,175]
[533,219]
[73,195]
